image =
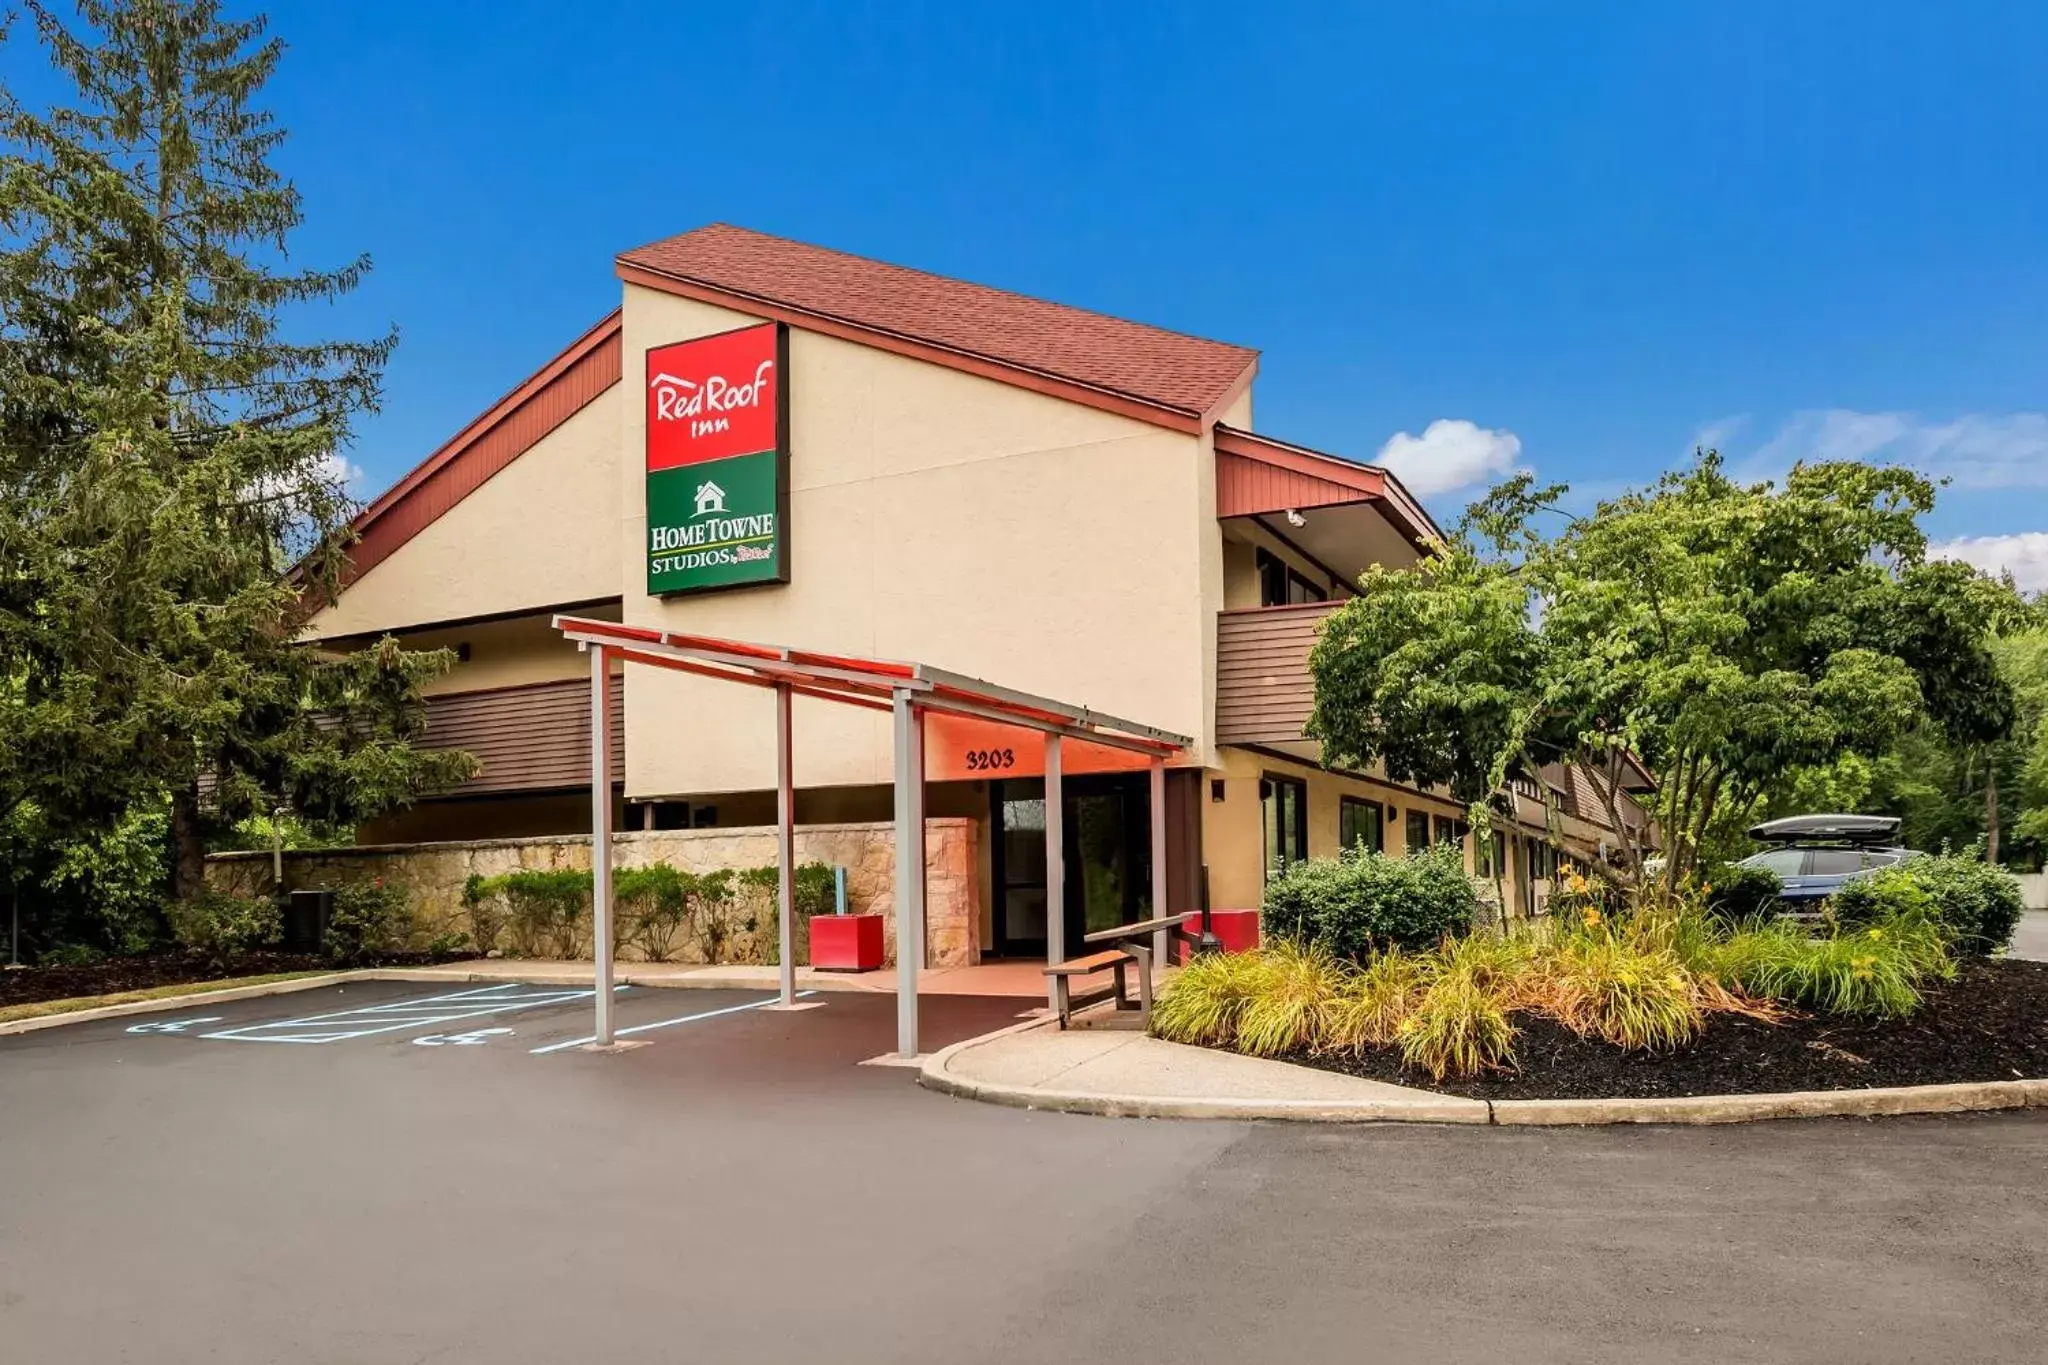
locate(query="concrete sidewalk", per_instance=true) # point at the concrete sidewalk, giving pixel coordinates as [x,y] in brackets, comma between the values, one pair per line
[1125,1073]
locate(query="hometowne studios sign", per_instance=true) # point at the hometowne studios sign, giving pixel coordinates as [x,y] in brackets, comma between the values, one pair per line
[718,461]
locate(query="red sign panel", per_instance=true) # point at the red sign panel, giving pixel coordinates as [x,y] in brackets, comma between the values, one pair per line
[712,398]
[965,747]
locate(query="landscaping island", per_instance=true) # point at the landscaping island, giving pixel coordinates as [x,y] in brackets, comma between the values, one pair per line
[1989,1024]
[1378,969]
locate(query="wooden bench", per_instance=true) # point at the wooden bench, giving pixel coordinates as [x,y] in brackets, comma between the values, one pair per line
[1063,974]
[1133,945]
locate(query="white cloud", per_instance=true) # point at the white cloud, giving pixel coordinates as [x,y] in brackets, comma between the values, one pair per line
[1977,450]
[2025,554]
[1451,453]
[340,470]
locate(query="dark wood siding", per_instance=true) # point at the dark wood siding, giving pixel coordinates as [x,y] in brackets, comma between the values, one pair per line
[531,738]
[1263,693]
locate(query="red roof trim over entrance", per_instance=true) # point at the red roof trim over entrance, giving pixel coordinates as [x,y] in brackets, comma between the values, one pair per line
[508,429]
[1257,474]
[1153,375]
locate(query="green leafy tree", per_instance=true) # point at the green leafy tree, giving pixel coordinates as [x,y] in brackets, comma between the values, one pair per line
[171,465]
[1727,636]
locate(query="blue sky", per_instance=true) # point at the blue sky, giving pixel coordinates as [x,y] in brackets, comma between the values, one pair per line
[1578,237]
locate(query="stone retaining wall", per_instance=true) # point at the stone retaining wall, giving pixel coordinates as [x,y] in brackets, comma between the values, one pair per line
[434,874]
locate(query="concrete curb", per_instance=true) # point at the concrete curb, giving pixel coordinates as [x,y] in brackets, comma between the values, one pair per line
[936,1074]
[1959,1098]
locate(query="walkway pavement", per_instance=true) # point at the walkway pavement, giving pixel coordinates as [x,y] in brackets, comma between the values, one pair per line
[1116,1071]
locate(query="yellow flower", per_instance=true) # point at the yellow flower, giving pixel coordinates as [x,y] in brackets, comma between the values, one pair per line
[1876,934]
[1592,917]
[1706,888]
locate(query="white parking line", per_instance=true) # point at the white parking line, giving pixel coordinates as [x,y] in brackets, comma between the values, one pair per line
[668,1023]
[399,1015]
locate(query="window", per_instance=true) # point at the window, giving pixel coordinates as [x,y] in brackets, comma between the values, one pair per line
[1283,806]
[1450,830]
[1418,831]
[1786,862]
[1281,586]
[1361,822]
[1834,862]
[1490,855]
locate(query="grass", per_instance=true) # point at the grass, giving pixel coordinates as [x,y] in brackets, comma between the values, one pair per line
[1460,1026]
[1290,1009]
[1646,982]
[44,1008]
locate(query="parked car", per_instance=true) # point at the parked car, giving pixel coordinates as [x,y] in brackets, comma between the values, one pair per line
[1817,855]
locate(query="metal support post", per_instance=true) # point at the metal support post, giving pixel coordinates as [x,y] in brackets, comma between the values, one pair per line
[909,868]
[1160,938]
[601,836]
[785,842]
[1055,860]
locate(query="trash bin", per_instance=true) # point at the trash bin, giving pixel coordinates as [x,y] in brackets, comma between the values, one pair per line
[305,920]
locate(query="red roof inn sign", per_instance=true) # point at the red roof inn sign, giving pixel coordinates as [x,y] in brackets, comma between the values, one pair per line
[718,461]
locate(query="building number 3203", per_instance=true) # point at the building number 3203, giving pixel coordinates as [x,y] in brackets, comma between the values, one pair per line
[990,760]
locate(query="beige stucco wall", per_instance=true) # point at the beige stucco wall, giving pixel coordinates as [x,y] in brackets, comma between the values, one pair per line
[938,517]
[1233,837]
[543,530]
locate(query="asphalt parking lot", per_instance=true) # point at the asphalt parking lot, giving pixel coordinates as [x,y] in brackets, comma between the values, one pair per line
[401,1182]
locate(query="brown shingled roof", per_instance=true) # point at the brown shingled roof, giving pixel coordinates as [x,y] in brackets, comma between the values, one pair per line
[1184,375]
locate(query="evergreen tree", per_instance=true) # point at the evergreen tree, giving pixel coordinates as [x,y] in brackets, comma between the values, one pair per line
[172,465]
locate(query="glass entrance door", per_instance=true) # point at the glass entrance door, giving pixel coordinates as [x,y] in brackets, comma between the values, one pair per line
[1107,850]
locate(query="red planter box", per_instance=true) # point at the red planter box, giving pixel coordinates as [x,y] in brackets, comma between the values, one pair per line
[1238,930]
[846,943]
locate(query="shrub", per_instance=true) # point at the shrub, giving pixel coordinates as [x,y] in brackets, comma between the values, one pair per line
[1738,894]
[654,908]
[1364,902]
[368,920]
[486,913]
[813,895]
[545,911]
[222,926]
[70,955]
[1979,903]
[711,914]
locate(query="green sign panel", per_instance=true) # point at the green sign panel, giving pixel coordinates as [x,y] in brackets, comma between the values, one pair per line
[716,525]
[718,461]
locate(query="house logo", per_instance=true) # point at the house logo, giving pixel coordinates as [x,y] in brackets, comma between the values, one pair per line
[710,498]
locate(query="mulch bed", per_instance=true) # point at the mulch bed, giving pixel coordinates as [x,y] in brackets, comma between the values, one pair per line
[1989,1024]
[37,984]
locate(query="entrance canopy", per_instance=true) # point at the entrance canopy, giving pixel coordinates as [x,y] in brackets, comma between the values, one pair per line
[910,692]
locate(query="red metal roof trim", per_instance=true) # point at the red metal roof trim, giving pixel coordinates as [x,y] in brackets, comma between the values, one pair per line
[508,429]
[769,666]
[1154,375]
[1257,474]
